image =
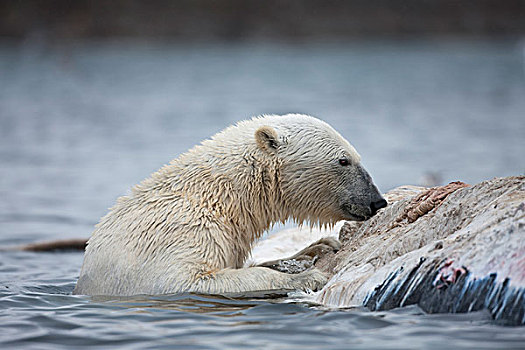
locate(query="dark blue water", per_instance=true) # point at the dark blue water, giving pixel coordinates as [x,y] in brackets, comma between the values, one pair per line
[80,124]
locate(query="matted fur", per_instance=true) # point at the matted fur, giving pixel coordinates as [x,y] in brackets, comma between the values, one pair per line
[191,225]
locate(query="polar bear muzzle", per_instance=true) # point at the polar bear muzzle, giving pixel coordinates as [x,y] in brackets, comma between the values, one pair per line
[361,199]
[376,205]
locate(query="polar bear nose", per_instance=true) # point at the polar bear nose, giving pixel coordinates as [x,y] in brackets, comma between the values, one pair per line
[375,206]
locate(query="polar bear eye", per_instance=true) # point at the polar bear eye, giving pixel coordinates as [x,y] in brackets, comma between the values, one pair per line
[344,161]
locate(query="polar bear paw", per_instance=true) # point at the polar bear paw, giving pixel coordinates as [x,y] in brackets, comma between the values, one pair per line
[313,279]
[306,258]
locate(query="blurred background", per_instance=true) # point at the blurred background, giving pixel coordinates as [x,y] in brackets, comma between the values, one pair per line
[96,95]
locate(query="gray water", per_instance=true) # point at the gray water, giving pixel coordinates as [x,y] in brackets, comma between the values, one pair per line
[81,123]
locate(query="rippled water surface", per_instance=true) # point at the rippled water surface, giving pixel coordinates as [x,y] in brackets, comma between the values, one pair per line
[37,310]
[80,124]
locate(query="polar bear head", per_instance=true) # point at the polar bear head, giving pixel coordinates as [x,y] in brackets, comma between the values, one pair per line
[321,177]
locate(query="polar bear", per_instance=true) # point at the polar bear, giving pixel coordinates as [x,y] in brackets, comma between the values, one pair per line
[191,225]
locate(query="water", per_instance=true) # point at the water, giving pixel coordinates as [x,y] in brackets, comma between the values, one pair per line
[38,311]
[80,124]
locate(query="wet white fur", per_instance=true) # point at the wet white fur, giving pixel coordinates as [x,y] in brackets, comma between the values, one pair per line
[191,225]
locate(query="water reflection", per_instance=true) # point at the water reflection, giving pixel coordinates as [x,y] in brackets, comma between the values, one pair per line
[194,303]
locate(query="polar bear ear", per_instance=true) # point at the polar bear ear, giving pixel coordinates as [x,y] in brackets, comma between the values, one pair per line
[267,139]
